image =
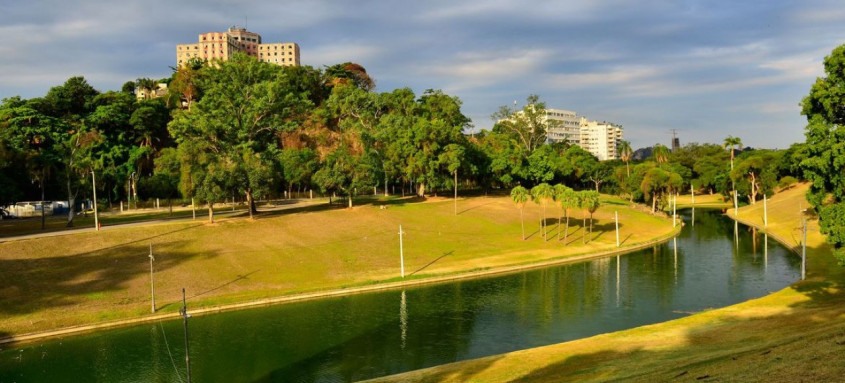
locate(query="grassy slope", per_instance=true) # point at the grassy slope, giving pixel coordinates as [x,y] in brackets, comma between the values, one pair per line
[797,334]
[89,277]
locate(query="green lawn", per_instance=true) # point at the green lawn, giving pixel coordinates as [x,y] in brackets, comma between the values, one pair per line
[797,334]
[91,277]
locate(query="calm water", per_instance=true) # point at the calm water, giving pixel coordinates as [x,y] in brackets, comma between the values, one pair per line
[372,335]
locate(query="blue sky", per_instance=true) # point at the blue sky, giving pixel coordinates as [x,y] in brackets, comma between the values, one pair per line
[708,69]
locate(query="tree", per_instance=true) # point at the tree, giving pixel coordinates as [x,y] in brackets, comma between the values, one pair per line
[245,104]
[625,153]
[825,149]
[569,200]
[520,196]
[661,153]
[528,126]
[560,191]
[451,158]
[731,143]
[541,194]
[590,201]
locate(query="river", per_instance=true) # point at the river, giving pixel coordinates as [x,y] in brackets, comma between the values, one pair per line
[357,337]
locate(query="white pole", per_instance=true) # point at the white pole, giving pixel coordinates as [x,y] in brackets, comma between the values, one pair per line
[736,204]
[692,192]
[765,212]
[310,194]
[121,206]
[674,211]
[94,187]
[616,214]
[804,249]
[401,253]
[193,209]
[152,281]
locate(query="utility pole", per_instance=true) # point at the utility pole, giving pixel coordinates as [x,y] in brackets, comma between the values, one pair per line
[804,245]
[616,214]
[765,212]
[185,316]
[401,253]
[152,282]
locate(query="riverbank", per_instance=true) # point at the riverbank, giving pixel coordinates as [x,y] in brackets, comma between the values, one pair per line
[796,334]
[88,281]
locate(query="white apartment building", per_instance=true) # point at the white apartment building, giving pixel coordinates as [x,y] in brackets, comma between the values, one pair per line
[567,126]
[600,138]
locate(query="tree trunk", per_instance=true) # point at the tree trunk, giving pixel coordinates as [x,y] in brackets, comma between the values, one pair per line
[584,233]
[522,219]
[421,190]
[249,203]
[210,212]
[350,201]
[566,229]
[71,201]
[544,222]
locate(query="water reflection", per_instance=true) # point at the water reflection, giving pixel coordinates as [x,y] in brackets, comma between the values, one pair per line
[361,336]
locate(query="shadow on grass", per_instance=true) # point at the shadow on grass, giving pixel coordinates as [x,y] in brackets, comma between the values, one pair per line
[33,284]
[433,262]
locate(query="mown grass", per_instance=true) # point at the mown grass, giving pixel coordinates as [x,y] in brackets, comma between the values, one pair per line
[796,334]
[89,277]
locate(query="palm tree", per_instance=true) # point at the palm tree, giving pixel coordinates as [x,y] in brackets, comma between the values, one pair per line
[660,153]
[732,142]
[590,200]
[520,195]
[625,153]
[541,194]
[569,200]
[559,192]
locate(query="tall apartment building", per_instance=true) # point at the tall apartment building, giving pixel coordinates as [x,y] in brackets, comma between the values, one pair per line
[223,45]
[600,138]
[567,126]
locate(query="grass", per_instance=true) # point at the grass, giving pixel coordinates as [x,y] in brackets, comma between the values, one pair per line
[796,334]
[88,277]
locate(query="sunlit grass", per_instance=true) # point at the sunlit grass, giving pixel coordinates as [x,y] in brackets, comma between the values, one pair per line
[89,277]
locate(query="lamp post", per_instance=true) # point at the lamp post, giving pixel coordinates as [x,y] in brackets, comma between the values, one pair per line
[152,281]
[94,187]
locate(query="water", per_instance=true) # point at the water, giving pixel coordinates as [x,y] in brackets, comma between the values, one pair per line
[371,335]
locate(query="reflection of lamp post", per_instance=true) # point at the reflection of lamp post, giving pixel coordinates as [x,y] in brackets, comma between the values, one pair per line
[94,187]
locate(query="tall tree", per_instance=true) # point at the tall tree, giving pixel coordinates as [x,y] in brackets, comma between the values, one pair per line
[520,196]
[570,199]
[528,125]
[590,201]
[541,195]
[245,104]
[825,149]
[661,153]
[732,143]
[625,153]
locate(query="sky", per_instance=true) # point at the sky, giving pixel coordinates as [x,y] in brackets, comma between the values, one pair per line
[706,69]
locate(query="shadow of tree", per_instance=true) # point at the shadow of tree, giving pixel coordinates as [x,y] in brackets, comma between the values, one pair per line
[33,284]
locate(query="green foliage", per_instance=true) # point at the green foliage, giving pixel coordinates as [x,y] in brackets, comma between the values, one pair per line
[824,153]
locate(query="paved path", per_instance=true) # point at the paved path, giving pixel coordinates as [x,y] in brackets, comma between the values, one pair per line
[202,215]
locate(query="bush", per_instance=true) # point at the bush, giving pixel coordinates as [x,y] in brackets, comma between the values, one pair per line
[787,182]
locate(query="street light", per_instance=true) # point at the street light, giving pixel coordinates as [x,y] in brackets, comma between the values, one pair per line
[94,187]
[152,282]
